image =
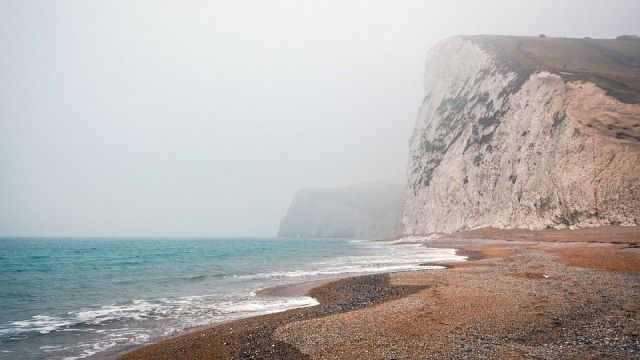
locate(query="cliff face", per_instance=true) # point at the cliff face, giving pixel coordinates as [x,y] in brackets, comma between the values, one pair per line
[526,133]
[368,210]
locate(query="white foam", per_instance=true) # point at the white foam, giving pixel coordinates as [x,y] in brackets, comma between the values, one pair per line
[386,257]
[139,317]
[266,306]
[50,348]
[137,310]
[43,324]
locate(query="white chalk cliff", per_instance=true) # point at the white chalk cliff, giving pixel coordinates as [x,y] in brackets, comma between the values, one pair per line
[527,133]
[369,210]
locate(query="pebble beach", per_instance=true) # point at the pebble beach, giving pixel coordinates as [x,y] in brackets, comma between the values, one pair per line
[524,295]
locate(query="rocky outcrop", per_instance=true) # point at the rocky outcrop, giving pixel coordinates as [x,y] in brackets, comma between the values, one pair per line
[368,210]
[527,133]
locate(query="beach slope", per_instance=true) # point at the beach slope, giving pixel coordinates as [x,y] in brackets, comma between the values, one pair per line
[522,295]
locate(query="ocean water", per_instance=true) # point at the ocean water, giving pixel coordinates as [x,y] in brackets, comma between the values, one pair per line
[90,298]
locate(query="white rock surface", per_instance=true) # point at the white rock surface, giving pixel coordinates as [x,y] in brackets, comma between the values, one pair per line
[505,146]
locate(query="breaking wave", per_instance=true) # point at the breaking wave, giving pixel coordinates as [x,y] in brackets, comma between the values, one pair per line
[106,328]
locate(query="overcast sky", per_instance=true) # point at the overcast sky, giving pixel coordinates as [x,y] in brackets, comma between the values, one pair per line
[202,118]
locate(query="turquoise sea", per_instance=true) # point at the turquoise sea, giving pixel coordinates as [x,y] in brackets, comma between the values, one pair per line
[73,298]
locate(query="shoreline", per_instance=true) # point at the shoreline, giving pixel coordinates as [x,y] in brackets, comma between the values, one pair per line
[515,265]
[334,295]
[297,288]
[294,289]
[302,288]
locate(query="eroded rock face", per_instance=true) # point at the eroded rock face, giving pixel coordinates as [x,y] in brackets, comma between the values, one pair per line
[529,141]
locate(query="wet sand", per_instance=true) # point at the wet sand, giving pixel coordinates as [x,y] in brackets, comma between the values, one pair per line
[296,289]
[518,297]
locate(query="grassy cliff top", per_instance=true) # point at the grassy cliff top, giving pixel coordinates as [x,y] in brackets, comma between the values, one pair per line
[613,65]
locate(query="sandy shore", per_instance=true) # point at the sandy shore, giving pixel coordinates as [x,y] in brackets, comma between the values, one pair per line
[554,295]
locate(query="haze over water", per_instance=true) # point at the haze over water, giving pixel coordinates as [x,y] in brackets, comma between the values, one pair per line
[195,118]
[203,118]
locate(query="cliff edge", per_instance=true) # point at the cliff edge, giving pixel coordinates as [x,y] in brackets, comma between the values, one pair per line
[522,132]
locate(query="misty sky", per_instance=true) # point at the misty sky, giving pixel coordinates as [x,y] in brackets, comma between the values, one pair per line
[202,118]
